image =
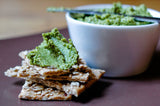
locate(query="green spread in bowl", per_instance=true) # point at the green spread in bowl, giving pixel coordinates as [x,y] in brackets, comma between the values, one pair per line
[118,20]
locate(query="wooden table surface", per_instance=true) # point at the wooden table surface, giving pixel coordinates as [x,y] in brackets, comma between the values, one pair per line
[25,17]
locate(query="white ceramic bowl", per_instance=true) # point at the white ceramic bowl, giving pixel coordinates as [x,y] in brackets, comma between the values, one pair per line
[121,50]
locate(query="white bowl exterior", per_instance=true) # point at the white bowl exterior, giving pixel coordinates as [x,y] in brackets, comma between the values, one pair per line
[120,50]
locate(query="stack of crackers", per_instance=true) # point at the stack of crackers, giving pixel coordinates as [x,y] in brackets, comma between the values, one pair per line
[51,83]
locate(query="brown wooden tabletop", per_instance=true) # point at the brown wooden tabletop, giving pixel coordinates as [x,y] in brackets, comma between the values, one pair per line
[25,17]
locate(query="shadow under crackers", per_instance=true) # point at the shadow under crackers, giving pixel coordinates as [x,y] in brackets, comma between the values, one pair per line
[93,92]
[19,82]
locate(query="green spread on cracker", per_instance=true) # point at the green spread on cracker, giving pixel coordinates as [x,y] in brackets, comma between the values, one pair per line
[55,51]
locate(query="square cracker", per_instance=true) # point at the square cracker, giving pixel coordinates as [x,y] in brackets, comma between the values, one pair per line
[31,72]
[72,88]
[36,91]
[78,72]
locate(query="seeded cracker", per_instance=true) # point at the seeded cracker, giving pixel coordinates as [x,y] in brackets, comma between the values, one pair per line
[35,91]
[79,73]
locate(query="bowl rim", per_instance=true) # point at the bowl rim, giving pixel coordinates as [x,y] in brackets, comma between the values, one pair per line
[68,17]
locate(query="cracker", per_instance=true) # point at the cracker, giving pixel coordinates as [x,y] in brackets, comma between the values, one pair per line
[31,72]
[72,88]
[78,72]
[35,91]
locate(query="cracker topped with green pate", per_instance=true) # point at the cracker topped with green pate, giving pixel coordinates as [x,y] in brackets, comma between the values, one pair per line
[53,70]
